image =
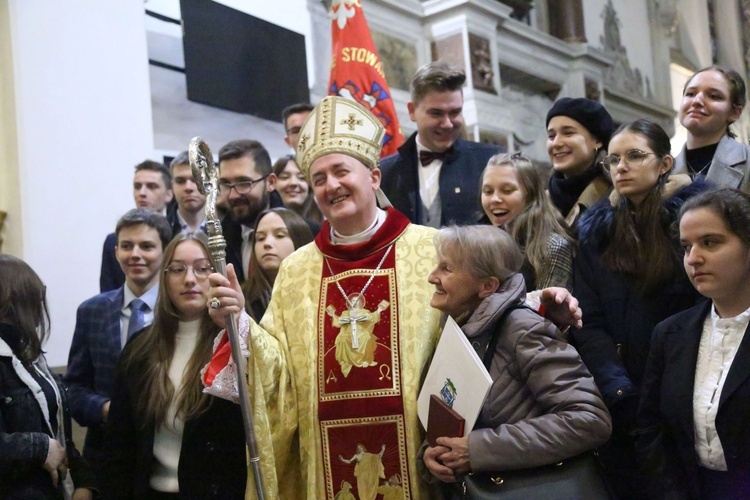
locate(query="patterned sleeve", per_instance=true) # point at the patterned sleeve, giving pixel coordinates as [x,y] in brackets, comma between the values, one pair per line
[558,267]
[219,375]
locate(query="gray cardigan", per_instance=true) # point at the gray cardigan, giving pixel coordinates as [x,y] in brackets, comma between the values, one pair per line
[730,166]
[543,405]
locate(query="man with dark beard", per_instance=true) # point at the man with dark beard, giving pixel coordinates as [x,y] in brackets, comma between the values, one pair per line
[244,166]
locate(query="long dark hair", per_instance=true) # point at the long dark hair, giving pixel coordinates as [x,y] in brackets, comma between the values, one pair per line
[23,304]
[258,286]
[640,246]
[309,209]
[151,354]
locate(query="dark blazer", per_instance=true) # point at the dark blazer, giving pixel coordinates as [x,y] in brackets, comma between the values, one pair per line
[111,276]
[666,440]
[459,181]
[233,236]
[730,166]
[91,365]
[212,459]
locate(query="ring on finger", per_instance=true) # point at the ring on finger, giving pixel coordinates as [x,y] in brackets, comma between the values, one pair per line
[215,303]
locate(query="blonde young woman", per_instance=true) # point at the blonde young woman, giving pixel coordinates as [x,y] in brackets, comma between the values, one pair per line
[513,197]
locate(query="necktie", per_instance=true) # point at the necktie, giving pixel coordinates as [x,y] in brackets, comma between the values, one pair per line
[137,320]
[427,157]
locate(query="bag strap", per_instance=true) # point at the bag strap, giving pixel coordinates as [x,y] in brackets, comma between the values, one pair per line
[495,336]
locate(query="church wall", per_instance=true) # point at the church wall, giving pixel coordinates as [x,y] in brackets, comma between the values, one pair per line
[10,196]
[82,120]
[694,39]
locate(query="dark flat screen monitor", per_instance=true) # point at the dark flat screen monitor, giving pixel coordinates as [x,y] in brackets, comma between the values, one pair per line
[241,63]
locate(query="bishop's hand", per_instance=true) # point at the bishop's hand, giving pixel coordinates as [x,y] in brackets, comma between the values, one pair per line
[225,296]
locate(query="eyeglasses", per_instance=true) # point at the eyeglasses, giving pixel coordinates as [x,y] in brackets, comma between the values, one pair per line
[201,269]
[242,187]
[633,158]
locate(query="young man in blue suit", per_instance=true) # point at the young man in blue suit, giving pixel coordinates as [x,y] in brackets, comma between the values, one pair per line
[434,177]
[105,321]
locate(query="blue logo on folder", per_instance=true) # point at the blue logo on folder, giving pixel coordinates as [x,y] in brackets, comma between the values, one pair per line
[448,392]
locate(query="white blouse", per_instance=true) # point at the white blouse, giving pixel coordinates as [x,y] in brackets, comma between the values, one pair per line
[720,340]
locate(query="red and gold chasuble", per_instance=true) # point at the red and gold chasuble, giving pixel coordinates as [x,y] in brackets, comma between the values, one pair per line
[360,402]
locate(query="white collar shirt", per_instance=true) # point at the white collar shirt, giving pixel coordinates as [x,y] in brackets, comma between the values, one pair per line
[720,340]
[429,177]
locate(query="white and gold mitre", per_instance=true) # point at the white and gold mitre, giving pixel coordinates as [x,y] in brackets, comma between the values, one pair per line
[339,125]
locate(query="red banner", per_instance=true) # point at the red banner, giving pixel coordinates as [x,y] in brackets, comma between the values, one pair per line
[357,72]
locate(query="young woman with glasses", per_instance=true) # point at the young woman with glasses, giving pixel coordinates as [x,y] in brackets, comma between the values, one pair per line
[628,278]
[712,100]
[167,438]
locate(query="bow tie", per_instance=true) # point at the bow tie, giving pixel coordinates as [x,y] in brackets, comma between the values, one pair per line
[427,157]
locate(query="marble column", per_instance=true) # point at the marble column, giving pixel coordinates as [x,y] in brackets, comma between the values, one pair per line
[566,20]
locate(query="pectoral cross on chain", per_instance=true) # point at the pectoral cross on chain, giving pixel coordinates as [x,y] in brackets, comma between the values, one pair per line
[353,319]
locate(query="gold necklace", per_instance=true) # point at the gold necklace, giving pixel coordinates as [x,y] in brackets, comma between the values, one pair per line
[351,305]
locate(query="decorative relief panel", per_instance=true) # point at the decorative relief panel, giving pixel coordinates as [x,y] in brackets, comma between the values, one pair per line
[481,63]
[593,91]
[668,17]
[399,59]
[620,75]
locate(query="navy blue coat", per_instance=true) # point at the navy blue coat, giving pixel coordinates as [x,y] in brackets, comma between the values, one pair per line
[618,320]
[459,181]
